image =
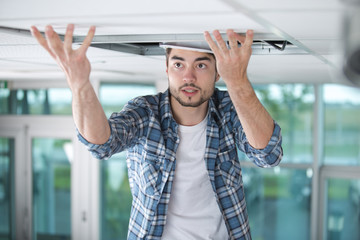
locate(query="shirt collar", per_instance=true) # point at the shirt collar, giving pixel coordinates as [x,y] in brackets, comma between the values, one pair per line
[213,102]
[165,109]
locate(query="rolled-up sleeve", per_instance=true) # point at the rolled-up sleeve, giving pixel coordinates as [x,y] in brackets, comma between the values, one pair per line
[269,156]
[126,127]
[99,151]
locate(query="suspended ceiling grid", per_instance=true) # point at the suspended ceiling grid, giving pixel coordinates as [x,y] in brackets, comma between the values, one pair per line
[313,27]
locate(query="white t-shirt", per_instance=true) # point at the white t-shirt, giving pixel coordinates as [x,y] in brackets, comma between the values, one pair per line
[193,212]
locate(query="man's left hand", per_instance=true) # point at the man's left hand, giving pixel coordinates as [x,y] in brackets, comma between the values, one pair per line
[231,63]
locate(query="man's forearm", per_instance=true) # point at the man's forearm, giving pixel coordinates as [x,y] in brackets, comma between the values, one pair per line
[257,123]
[89,115]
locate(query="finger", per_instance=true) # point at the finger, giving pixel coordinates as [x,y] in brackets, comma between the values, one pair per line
[68,39]
[232,39]
[41,40]
[54,42]
[249,38]
[88,39]
[240,38]
[220,41]
[211,43]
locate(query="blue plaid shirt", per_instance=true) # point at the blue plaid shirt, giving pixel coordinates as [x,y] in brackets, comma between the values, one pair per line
[147,129]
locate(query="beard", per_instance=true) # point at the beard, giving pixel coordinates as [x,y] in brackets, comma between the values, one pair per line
[204,96]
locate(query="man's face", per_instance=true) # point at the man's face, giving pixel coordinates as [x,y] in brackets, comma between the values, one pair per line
[192,76]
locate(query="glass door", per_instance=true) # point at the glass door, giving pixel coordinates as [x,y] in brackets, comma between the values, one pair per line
[51,169]
[43,195]
[342,212]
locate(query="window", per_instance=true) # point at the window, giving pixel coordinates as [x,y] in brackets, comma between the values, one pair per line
[113,97]
[291,106]
[343,209]
[279,199]
[51,188]
[115,190]
[342,162]
[342,125]
[116,202]
[278,202]
[40,101]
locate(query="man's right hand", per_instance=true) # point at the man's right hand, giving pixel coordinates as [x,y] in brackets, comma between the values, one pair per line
[88,114]
[74,63]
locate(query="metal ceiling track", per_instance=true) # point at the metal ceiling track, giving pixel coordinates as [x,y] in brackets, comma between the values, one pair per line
[148,44]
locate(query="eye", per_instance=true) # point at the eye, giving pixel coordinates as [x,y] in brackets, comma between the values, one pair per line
[178,65]
[201,65]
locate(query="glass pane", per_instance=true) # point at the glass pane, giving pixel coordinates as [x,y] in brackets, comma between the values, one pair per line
[51,188]
[342,128]
[41,101]
[116,198]
[114,96]
[343,209]
[4,101]
[6,191]
[291,105]
[278,202]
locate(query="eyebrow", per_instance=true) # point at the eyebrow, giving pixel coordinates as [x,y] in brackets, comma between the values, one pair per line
[196,60]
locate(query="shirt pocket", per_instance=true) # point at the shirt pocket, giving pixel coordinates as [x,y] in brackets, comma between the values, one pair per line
[151,175]
[230,170]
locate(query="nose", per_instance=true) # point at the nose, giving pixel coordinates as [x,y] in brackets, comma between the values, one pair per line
[189,75]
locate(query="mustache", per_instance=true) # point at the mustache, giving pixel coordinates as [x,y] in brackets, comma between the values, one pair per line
[189,85]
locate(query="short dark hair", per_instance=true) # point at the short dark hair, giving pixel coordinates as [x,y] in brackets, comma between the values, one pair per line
[168,51]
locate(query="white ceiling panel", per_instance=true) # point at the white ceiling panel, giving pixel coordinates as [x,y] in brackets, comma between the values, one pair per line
[36,9]
[287,69]
[144,24]
[314,27]
[289,5]
[307,24]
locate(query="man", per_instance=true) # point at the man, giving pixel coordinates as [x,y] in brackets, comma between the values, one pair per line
[184,173]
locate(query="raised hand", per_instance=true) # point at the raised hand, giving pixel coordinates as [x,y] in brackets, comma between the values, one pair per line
[231,63]
[74,63]
[232,66]
[88,114]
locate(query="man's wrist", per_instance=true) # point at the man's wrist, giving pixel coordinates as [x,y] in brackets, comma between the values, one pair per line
[82,91]
[241,87]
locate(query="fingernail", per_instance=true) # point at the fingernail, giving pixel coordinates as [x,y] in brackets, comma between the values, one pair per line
[48,31]
[32,31]
[230,32]
[71,26]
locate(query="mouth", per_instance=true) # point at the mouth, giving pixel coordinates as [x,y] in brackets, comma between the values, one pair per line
[189,92]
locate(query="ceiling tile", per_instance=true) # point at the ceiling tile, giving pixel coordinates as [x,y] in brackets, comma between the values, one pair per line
[19,9]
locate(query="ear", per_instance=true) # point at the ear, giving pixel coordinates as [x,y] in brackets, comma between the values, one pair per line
[217,77]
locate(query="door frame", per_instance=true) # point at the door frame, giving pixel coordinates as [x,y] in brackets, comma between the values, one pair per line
[84,174]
